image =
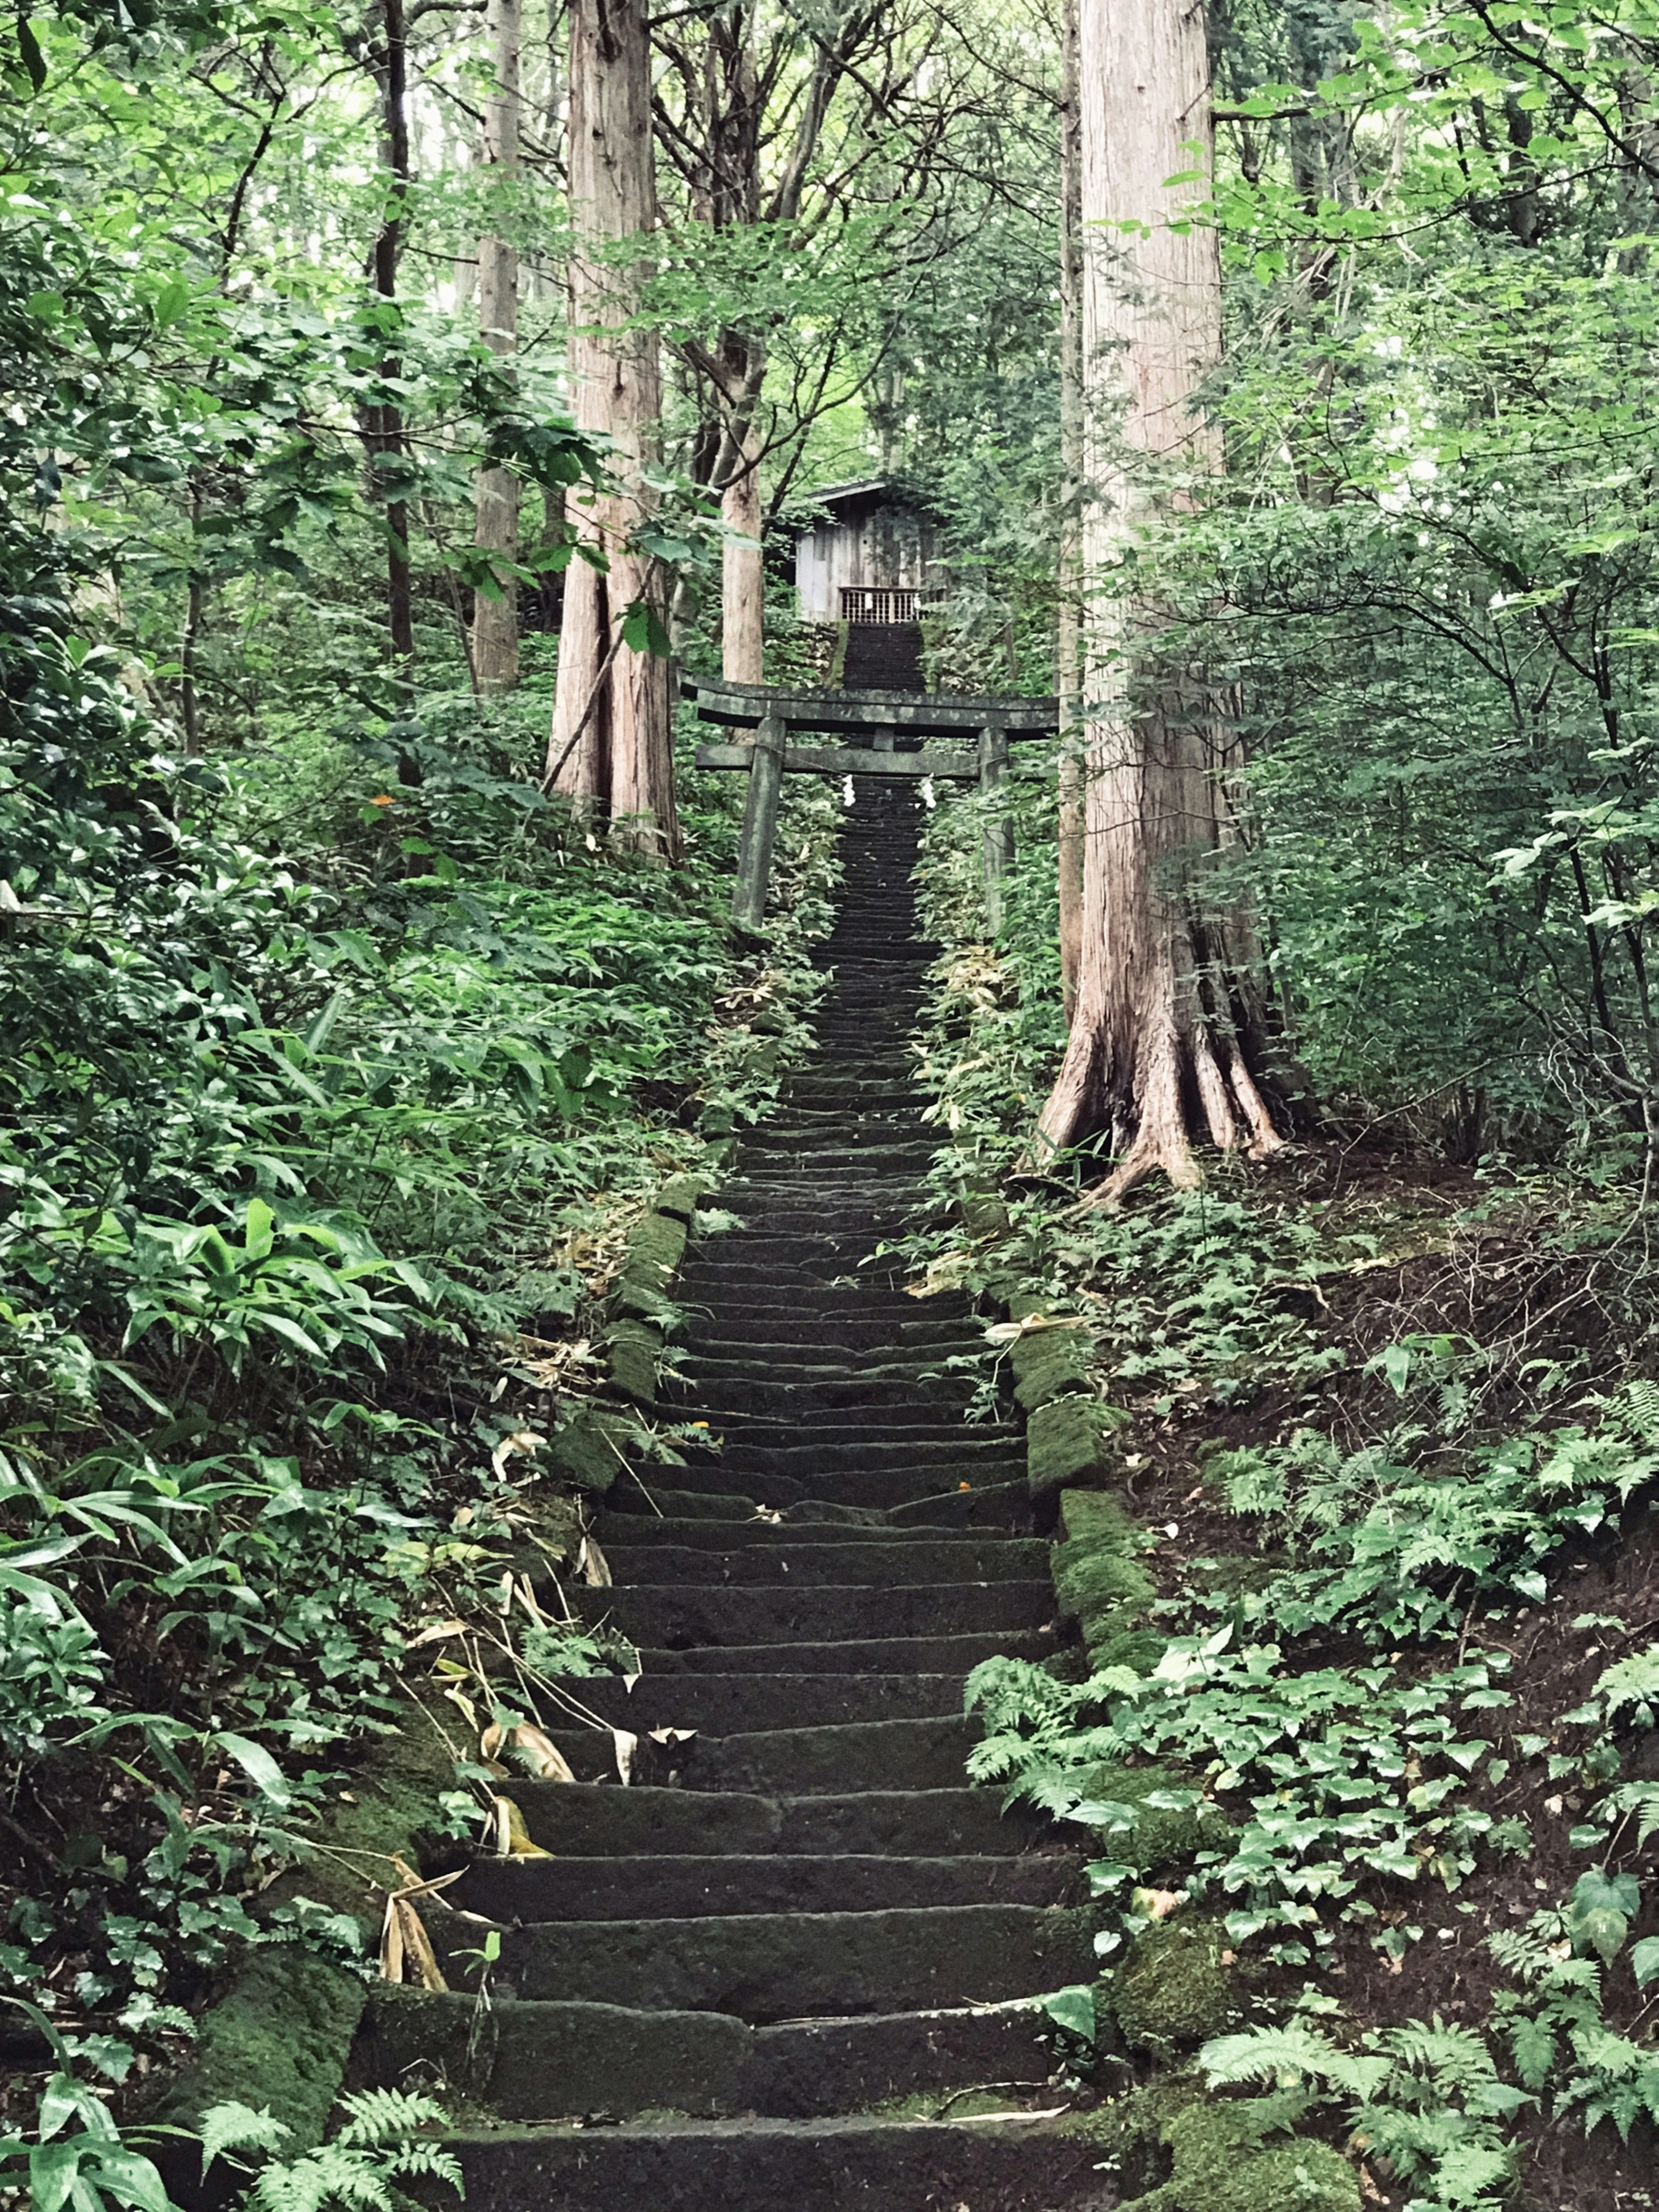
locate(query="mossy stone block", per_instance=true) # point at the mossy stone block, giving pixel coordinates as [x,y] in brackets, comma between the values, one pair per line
[632,1349]
[1048,1363]
[1238,2156]
[1100,1589]
[1174,1993]
[589,1449]
[279,2042]
[655,1248]
[680,1197]
[1159,1837]
[983,1215]
[1096,1518]
[1066,1440]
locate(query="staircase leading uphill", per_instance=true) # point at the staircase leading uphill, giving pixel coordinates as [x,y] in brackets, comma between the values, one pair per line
[883,657]
[762,1974]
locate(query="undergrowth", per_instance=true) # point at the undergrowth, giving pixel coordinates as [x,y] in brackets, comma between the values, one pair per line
[1388,1431]
[334,1080]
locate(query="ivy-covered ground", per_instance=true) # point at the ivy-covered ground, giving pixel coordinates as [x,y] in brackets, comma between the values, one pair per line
[1368,1586]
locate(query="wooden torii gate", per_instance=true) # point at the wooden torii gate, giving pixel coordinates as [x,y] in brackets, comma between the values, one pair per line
[876,733]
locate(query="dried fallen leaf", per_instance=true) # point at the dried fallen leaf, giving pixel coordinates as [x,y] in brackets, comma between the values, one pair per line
[626,1745]
[406,1943]
[1156,1904]
[524,1441]
[437,1633]
[592,1561]
[511,1837]
[672,1735]
[541,1756]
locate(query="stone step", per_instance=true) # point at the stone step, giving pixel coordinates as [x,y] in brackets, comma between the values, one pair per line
[733,1703]
[655,1888]
[858,1756]
[998,2164]
[682,1614]
[890,1487]
[862,1524]
[767,1966]
[912,1560]
[530,2061]
[586,1819]
[863,1654]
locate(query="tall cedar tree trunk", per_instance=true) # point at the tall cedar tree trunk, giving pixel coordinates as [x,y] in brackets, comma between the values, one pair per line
[1166,1044]
[733,133]
[495,622]
[1068,641]
[724,172]
[611,748]
[383,424]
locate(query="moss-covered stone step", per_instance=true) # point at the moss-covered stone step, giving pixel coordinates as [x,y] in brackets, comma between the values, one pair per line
[743,1526]
[817,1613]
[768,1966]
[800,1397]
[736,1702]
[918,1754]
[583,1819]
[922,1559]
[532,2062]
[861,1655]
[653,1888]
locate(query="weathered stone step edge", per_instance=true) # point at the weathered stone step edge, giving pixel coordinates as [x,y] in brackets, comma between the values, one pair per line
[921,1559]
[936,1655]
[854,1756]
[746,1703]
[768,1966]
[650,1887]
[627,1532]
[546,2060]
[584,1819]
[683,1615]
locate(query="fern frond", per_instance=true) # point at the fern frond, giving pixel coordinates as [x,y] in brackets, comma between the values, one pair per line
[379,2116]
[1288,2055]
[239,2127]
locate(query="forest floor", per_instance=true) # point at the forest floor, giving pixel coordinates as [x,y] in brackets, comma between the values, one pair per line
[1386,1441]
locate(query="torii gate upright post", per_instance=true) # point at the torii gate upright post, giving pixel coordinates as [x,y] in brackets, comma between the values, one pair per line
[885,733]
[760,825]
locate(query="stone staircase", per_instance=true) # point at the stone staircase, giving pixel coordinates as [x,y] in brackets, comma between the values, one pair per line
[759,1977]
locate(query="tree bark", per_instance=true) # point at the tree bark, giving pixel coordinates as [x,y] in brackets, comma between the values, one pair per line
[495,622]
[743,578]
[612,748]
[1166,1043]
[1068,639]
[384,423]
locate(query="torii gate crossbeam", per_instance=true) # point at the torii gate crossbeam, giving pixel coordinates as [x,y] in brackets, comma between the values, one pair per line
[891,733]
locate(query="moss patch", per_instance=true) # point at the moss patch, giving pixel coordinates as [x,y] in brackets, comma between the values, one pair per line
[279,2042]
[1174,1993]
[1158,1836]
[1226,2159]
[1067,1441]
[588,1451]
[1048,1363]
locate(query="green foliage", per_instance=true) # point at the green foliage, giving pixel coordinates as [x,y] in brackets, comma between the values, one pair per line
[1426,2098]
[376,2146]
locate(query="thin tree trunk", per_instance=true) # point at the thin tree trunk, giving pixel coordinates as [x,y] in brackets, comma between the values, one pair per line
[384,421]
[1068,641]
[1166,1040]
[622,762]
[495,622]
[743,579]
